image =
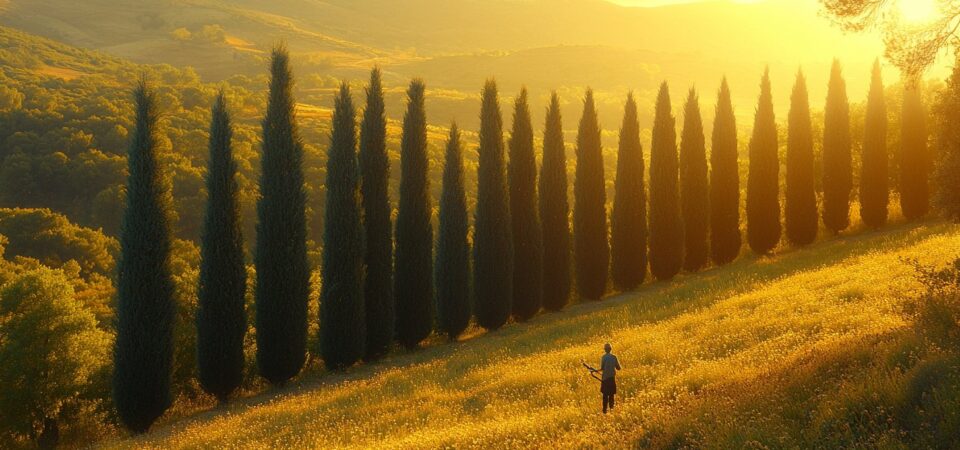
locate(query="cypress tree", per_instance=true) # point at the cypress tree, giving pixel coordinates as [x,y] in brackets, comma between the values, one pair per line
[725,240]
[914,161]
[414,258]
[492,235]
[874,195]
[555,211]
[947,175]
[342,319]
[694,191]
[763,180]
[221,320]
[378,256]
[453,250]
[837,161]
[283,275]
[801,197]
[666,222]
[628,221]
[591,250]
[143,350]
[527,244]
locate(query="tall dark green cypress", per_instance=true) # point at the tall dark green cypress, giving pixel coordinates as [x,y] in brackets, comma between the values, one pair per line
[492,235]
[221,319]
[666,222]
[414,258]
[591,250]
[874,193]
[374,180]
[628,220]
[342,318]
[837,160]
[914,160]
[694,190]
[725,239]
[143,350]
[947,174]
[283,275]
[453,249]
[527,244]
[763,180]
[555,211]
[800,210]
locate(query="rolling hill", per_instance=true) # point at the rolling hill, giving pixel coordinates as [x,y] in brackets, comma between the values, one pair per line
[544,44]
[811,348]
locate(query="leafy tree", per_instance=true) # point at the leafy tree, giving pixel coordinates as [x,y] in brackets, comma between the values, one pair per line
[910,47]
[837,160]
[87,256]
[801,197]
[874,194]
[555,211]
[527,244]
[53,240]
[763,181]
[694,190]
[51,354]
[725,240]
[10,99]
[184,265]
[591,250]
[453,250]
[914,161]
[283,275]
[221,320]
[628,220]
[375,174]
[947,175]
[492,235]
[414,257]
[143,352]
[342,318]
[666,222]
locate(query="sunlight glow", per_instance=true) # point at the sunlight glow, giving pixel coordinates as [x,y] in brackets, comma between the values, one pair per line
[918,11]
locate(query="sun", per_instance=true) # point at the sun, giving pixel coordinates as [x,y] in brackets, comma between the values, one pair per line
[918,11]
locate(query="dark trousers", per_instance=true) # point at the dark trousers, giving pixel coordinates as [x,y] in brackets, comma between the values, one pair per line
[607,400]
[608,388]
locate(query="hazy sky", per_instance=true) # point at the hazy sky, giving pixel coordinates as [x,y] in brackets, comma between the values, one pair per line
[670,2]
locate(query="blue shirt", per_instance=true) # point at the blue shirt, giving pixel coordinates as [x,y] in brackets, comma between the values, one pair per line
[609,365]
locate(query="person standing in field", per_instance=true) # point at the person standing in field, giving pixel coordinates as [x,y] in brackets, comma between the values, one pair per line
[609,365]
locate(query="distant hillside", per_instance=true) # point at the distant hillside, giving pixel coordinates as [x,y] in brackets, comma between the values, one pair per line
[545,44]
[65,119]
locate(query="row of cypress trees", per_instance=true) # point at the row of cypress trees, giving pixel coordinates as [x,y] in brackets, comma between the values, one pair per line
[143,349]
[800,210]
[381,284]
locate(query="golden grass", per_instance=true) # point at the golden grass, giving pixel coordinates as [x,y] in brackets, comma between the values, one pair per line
[308,111]
[60,72]
[523,386]
[243,45]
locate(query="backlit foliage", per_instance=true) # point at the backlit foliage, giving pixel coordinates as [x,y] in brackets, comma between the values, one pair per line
[912,47]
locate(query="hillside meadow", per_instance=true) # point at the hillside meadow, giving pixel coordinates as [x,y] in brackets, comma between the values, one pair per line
[795,350]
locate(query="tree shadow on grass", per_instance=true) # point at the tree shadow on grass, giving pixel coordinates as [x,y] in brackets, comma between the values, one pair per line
[445,362]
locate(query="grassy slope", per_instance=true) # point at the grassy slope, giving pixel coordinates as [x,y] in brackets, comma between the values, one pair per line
[707,358]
